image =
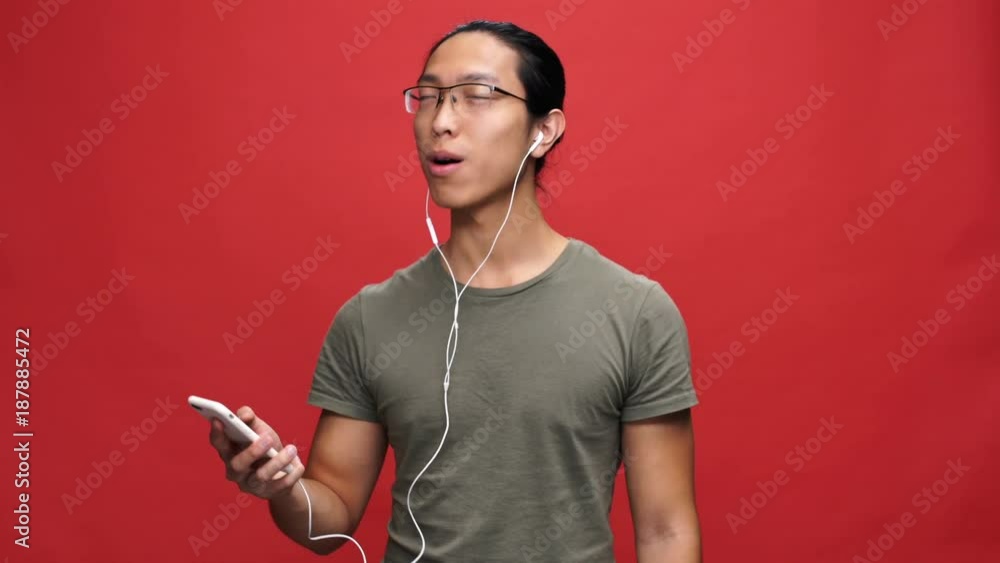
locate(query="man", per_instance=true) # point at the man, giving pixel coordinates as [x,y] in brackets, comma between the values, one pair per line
[568,364]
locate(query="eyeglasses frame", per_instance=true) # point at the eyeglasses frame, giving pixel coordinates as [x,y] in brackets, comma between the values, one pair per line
[442,89]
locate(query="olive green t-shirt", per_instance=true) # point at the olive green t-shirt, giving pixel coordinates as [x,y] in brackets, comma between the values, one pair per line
[544,374]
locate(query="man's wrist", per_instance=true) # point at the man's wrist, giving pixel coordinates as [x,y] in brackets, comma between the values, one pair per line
[287,496]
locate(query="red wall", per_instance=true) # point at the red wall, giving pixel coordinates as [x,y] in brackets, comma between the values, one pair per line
[877,248]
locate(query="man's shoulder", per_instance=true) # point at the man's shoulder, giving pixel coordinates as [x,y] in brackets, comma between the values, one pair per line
[594,266]
[403,281]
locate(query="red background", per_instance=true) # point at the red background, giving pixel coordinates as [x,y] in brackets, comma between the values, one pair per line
[654,186]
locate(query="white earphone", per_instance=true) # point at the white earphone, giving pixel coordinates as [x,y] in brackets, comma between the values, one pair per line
[449,355]
[430,224]
[452,345]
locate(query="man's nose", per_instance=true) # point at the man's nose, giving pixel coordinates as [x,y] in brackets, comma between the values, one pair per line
[445,114]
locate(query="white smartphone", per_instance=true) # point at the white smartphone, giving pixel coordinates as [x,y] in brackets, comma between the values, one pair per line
[234,427]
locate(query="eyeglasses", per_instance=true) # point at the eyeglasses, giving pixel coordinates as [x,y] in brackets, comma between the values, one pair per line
[468,98]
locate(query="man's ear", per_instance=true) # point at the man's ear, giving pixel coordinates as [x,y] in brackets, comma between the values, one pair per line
[552,126]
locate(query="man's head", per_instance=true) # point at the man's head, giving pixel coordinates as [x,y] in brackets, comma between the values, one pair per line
[513,88]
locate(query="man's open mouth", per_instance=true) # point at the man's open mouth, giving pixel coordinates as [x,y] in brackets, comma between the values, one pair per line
[443,163]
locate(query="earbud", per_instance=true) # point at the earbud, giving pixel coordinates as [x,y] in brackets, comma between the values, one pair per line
[430,225]
[449,355]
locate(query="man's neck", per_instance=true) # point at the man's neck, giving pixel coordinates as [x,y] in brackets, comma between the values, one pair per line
[527,245]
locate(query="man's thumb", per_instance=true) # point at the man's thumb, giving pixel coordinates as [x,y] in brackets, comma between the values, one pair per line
[246,414]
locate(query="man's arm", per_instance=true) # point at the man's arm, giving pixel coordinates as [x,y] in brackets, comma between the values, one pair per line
[344,464]
[659,471]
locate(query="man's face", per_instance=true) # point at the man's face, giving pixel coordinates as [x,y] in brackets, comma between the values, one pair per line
[490,142]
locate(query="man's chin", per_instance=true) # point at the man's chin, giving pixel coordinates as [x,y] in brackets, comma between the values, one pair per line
[453,195]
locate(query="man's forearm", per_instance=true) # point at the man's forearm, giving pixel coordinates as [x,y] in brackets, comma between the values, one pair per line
[329,516]
[678,548]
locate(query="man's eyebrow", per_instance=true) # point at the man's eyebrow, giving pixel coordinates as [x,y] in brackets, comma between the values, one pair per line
[467,77]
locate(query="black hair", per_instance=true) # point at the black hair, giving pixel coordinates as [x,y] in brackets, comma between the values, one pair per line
[540,70]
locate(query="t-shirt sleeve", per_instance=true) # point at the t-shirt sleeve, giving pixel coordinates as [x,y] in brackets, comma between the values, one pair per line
[339,383]
[659,377]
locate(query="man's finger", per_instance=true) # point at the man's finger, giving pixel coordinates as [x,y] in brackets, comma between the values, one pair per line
[273,467]
[290,479]
[246,414]
[252,485]
[217,437]
[251,419]
[243,460]
[261,428]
